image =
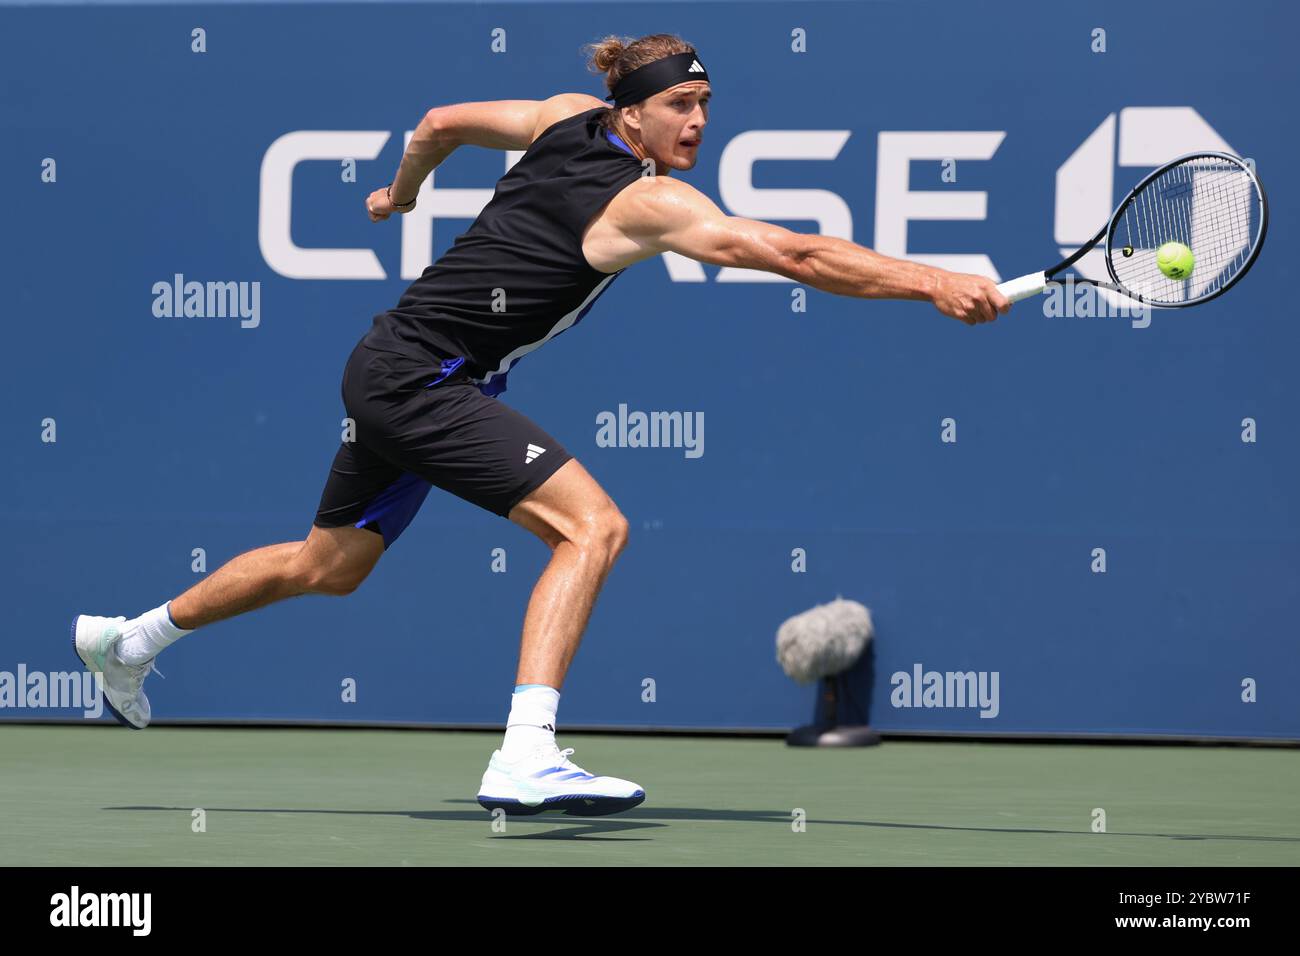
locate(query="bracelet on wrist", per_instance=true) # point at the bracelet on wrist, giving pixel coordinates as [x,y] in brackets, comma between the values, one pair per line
[397,205]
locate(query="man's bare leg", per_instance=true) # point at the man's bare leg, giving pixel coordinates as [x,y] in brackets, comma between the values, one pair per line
[330,561]
[586,532]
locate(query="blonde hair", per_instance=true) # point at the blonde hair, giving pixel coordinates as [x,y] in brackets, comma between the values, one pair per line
[616,57]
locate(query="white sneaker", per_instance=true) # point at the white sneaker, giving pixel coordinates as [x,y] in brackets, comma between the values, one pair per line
[96,639]
[547,780]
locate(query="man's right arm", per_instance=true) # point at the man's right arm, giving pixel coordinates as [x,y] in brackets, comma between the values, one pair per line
[495,124]
[663,214]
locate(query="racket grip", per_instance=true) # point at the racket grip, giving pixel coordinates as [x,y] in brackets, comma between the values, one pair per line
[1024,287]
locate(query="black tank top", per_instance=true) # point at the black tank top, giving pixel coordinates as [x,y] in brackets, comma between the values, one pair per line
[517,277]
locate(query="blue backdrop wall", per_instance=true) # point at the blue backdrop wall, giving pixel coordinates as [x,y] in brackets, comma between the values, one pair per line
[823,426]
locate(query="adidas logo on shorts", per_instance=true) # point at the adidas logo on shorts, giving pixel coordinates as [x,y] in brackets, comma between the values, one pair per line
[532,452]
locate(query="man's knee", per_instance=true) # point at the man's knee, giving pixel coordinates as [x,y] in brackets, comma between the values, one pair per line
[572,508]
[606,531]
[618,533]
[340,582]
[336,567]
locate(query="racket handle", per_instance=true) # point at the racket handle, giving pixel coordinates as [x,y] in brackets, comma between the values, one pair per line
[1024,287]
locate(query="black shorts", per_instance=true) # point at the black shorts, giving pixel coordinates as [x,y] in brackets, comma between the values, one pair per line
[419,425]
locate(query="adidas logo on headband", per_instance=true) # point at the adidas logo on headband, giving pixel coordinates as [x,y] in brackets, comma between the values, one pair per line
[645,81]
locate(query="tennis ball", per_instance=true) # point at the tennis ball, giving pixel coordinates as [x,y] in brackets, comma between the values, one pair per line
[1175,260]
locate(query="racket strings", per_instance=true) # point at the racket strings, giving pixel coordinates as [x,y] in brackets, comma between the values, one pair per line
[1209,204]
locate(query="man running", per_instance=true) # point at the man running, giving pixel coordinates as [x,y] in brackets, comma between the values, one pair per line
[592,194]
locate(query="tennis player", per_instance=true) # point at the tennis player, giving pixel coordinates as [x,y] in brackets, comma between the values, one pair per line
[592,194]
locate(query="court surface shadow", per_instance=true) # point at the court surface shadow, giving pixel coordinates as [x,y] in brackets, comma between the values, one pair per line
[642,818]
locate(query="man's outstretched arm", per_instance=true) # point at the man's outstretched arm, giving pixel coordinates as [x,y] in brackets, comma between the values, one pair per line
[496,124]
[664,214]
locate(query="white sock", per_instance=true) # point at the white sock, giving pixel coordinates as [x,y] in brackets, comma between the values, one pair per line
[531,724]
[146,635]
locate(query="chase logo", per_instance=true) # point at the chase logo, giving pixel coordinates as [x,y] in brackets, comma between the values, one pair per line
[1085,184]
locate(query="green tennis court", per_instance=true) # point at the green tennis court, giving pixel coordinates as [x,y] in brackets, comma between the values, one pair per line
[106,795]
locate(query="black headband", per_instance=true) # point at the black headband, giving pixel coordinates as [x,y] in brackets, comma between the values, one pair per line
[645,81]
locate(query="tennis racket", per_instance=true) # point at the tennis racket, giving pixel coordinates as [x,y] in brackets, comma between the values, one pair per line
[1212,203]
